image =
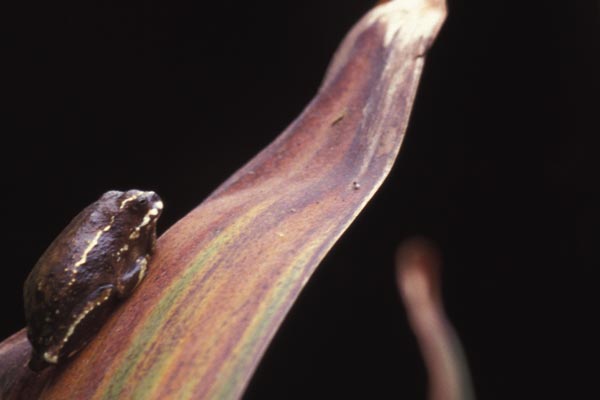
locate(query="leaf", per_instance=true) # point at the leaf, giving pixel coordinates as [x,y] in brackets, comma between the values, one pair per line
[224,276]
[418,278]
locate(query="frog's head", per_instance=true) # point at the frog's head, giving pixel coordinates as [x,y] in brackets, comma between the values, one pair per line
[134,211]
[144,207]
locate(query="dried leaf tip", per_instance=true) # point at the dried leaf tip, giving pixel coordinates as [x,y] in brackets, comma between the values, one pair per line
[421,18]
[406,27]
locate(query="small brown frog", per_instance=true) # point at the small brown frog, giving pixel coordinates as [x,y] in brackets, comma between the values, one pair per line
[98,259]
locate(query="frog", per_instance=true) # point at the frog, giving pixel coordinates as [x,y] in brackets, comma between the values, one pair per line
[94,264]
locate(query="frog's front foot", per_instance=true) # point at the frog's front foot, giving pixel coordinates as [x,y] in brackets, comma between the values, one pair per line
[132,278]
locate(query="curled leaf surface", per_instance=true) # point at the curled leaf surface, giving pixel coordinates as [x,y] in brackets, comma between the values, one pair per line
[225,275]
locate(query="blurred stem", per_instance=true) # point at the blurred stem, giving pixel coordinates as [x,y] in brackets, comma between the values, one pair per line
[418,280]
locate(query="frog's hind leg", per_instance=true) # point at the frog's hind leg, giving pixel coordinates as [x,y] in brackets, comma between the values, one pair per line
[86,321]
[130,279]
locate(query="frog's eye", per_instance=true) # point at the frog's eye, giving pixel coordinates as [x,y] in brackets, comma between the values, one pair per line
[142,202]
[139,206]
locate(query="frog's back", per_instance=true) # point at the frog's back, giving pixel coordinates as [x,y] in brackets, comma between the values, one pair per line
[59,279]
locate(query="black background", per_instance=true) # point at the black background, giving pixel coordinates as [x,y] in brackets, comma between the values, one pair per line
[498,168]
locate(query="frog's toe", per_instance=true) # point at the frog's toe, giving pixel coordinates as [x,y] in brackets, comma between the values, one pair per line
[37,362]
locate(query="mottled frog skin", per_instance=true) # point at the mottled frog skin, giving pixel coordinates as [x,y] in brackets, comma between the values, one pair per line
[98,259]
